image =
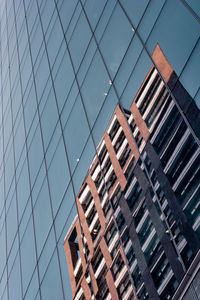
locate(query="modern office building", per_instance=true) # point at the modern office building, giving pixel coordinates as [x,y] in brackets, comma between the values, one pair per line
[138,231]
[65,66]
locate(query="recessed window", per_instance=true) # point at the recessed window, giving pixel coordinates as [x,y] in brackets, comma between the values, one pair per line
[117,266]
[120,221]
[114,129]
[134,196]
[110,233]
[97,260]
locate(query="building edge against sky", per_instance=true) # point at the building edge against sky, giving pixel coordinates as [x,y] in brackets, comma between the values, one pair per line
[140,195]
[65,65]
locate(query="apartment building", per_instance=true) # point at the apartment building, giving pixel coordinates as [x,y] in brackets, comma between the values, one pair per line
[137,232]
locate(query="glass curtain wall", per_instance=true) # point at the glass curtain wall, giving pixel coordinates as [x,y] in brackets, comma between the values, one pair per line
[65,65]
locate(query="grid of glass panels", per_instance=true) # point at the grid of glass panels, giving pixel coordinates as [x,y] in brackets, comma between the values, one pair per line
[65,65]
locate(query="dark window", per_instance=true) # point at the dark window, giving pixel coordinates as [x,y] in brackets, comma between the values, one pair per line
[98,179]
[79,274]
[124,157]
[140,214]
[125,237]
[159,104]
[144,85]
[87,251]
[130,256]
[187,255]
[74,247]
[117,266]
[145,231]
[182,159]
[169,290]
[103,291]
[120,221]
[129,174]
[153,251]
[114,129]
[138,138]
[107,166]
[115,249]
[143,295]
[111,181]
[189,183]
[192,210]
[169,218]
[102,192]
[97,260]
[101,277]
[82,296]
[102,154]
[133,198]
[110,234]
[119,141]
[161,271]
[166,130]
[133,125]
[137,277]
[147,163]
[82,190]
[116,197]
[153,177]
[87,201]
[123,286]
[127,113]
[173,143]
[106,208]
[149,95]
[91,215]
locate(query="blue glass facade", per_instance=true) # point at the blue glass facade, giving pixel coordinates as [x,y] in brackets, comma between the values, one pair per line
[65,65]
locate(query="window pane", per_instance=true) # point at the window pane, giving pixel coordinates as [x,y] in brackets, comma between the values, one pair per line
[116,40]
[76,133]
[95,85]
[58,176]
[51,288]
[42,225]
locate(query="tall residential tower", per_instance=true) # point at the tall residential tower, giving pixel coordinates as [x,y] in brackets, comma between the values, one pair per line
[137,234]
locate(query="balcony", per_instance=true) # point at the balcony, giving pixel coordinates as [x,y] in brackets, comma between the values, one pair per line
[152,101]
[104,160]
[119,131]
[108,173]
[96,172]
[148,240]
[176,151]
[165,282]
[128,293]
[113,128]
[105,197]
[84,194]
[139,226]
[121,149]
[108,297]
[134,265]
[113,241]
[93,222]
[121,275]
[128,246]
[145,91]
[100,267]
[89,208]
[79,294]
[77,267]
